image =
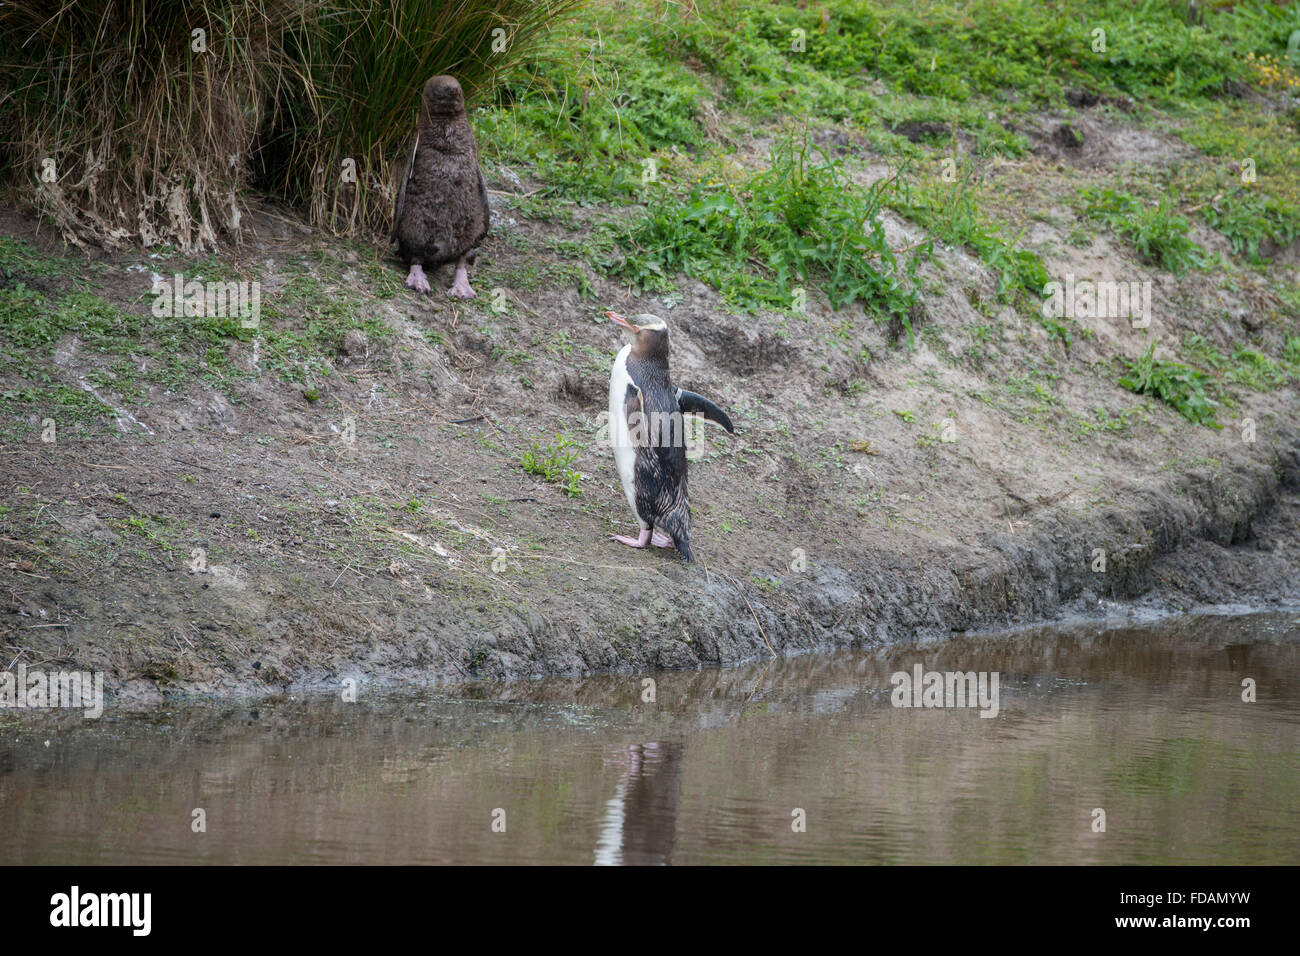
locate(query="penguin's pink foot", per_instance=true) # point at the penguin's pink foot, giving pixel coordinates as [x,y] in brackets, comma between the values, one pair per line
[460,283]
[417,280]
[661,540]
[637,542]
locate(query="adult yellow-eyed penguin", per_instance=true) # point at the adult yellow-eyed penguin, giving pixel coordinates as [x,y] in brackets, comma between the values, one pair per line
[648,434]
[442,205]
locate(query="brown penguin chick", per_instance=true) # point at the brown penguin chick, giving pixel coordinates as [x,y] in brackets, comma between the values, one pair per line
[442,206]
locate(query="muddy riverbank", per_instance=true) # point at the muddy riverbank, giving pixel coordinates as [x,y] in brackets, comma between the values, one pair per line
[273,616]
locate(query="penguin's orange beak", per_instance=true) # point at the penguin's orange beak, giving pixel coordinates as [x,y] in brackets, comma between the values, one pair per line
[621,320]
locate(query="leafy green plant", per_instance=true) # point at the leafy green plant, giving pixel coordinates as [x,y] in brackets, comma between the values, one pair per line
[1016,268]
[1248,217]
[552,463]
[1245,366]
[1202,351]
[1177,385]
[1157,233]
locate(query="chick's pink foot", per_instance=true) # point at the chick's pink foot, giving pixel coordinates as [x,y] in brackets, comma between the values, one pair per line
[460,288]
[661,540]
[417,280]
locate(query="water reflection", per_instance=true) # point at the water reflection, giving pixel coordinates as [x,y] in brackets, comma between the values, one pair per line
[1147,723]
[641,818]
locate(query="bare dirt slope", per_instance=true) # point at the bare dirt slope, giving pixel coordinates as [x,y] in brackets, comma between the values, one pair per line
[872,492]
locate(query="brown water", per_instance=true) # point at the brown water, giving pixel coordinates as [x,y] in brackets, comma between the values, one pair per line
[1146,723]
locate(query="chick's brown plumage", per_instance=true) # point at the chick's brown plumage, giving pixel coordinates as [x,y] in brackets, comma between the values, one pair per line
[442,206]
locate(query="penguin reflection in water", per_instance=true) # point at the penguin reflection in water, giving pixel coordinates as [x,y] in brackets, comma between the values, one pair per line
[648,433]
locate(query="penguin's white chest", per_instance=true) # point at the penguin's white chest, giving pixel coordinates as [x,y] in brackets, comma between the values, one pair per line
[624,451]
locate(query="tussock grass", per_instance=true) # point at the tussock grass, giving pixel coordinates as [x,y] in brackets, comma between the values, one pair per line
[146,120]
[119,130]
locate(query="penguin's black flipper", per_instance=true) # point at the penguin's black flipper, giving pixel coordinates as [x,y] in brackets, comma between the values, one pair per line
[690,403]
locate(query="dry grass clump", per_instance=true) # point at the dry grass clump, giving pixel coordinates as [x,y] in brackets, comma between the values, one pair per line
[148,120]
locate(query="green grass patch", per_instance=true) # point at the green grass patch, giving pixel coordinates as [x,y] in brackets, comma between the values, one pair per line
[1248,218]
[1253,195]
[952,211]
[1202,352]
[18,259]
[299,336]
[799,223]
[303,325]
[1256,370]
[1155,230]
[1180,386]
[1291,351]
[1246,366]
[69,408]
